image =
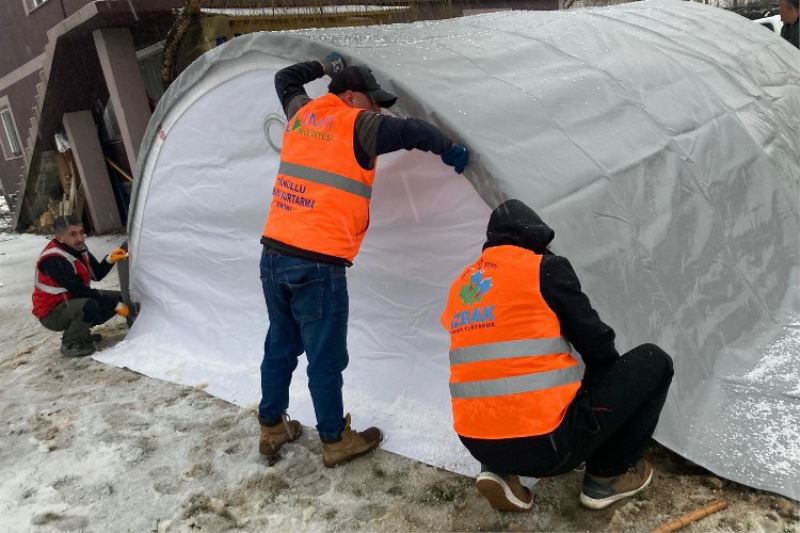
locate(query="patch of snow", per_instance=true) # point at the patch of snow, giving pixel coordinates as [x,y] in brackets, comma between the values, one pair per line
[780,364]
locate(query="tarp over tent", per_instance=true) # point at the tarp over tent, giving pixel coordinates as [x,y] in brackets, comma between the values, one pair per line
[659,139]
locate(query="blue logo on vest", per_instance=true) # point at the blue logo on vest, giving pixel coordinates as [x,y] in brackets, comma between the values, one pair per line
[471,293]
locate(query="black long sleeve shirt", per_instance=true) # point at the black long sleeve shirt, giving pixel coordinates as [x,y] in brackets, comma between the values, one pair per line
[374,134]
[60,270]
[515,224]
[580,323]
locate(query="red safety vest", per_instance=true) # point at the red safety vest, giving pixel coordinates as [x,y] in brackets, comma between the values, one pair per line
[47,293]
[320,200]
[512,374]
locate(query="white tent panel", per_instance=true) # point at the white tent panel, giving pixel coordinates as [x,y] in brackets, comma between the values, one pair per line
[660,140]
[196,272]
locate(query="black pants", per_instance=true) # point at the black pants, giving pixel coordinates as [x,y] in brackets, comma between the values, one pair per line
[75,317]
[608,424]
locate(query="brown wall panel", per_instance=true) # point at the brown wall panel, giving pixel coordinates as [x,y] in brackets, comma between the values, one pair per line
[21,98]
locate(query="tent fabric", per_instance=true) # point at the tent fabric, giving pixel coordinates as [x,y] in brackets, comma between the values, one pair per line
[659,139]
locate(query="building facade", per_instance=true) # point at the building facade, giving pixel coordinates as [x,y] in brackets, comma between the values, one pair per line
[74,73]
[79,78]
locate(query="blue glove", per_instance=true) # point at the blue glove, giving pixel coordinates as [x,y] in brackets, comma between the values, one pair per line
[456,156]
[332,64]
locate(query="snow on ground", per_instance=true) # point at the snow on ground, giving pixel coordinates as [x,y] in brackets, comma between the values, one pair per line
[90,447]
[5,214]
[779,362]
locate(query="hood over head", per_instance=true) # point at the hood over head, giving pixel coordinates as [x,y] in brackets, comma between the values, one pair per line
[514,223]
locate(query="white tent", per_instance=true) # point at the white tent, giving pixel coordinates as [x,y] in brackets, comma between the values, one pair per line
[659,139]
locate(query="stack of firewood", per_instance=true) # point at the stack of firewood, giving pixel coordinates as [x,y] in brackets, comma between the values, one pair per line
[72,202]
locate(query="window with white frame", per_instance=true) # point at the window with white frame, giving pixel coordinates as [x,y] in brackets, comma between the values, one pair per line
[30,5]
[9,138]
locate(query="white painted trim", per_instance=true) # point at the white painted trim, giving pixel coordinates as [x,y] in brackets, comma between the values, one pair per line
[5,105]
[150,51]
[30,8]
[34,65]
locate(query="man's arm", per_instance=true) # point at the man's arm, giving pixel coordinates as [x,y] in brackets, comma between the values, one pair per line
[289,84]
[100,269]
[580,323]
[381,134]
[62,272]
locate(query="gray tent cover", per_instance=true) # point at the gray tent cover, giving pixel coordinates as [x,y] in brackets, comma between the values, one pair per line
[659,139]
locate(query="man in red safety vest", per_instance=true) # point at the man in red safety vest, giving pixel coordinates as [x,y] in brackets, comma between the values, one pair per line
[63,299]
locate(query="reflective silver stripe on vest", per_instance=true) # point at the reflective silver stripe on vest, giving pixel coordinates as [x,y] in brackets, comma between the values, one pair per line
[58,251]
[49,289]
[517,384]
[503,350]
[336,181]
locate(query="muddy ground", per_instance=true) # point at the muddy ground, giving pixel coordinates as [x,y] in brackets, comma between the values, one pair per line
[90,447]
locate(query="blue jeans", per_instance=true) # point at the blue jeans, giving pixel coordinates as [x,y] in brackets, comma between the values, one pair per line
[308,307]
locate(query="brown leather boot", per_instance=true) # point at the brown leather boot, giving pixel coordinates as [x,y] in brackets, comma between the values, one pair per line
[274,437]
[352,444]
[504,493]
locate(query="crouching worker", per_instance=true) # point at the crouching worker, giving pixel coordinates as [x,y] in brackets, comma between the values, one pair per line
[522,404]
[62,297]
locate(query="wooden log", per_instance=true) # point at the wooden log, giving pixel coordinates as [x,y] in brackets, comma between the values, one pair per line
[119,169]
[63,172]
[688,518]
[80,203]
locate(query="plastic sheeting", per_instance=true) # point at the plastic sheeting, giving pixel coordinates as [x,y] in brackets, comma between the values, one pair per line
[659,140]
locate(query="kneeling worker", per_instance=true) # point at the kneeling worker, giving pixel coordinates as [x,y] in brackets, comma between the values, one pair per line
[522,404]
[62,297]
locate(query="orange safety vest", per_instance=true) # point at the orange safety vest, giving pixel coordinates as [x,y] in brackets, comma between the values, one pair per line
[320,200]
[512,374]
[47,293]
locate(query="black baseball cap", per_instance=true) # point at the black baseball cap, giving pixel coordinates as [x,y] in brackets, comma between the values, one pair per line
[360,79]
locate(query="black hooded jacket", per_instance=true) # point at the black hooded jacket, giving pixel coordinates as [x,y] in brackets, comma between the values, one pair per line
[514,223]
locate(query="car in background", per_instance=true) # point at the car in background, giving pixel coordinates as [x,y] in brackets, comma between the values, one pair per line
[773,23]
[764,12]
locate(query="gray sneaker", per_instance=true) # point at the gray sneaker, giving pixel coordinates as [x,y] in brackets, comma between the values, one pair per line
[600,492]
[77,349]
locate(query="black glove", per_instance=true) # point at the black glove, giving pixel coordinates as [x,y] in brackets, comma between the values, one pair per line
[332,64]
[456,156]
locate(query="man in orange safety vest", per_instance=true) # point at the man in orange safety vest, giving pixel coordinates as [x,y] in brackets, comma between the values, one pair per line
[318,216]
[536,382]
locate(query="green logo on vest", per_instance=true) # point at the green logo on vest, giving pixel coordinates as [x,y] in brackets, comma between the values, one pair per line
[311,125]
[477,287]
[472,293]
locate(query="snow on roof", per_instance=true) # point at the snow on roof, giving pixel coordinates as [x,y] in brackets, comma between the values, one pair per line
[300,10]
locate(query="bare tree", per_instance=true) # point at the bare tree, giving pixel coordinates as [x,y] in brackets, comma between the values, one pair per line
[188,17]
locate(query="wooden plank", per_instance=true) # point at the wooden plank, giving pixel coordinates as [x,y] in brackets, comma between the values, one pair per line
[64,175]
